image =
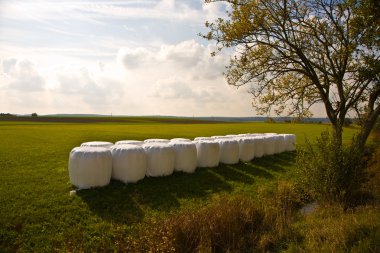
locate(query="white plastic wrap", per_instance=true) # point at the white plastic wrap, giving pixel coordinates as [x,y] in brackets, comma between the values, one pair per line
[130,142]
[128,163]
[203,139]
[90,167]
[160,159]
[232,135]
[185,156]
[290,140]
[218,137]
[208,153]
[156,141]
[180,140]
[229,151]
[269,144]
[99,144]
[280,144]
[259,146]
[246,148]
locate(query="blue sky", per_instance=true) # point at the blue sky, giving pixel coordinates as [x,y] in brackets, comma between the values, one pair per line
[123,57]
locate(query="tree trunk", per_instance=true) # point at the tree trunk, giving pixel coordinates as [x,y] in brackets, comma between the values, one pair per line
[367,127]
[338,131]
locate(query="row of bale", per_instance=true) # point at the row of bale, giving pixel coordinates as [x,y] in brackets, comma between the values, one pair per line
[95,163]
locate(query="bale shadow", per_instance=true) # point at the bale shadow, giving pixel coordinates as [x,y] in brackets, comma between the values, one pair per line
[125,204]
[233,173]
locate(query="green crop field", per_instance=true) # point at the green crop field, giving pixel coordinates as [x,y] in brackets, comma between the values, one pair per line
[37,214]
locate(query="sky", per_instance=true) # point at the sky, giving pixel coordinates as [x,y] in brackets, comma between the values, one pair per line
[130,57]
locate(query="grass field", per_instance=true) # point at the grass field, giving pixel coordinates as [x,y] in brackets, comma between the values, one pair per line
[37,213]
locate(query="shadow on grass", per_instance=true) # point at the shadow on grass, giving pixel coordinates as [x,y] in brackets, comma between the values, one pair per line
[125,204]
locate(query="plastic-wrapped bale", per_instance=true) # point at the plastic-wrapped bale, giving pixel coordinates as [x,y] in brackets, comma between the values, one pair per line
[156,141]
[259,146]
[269,144]
[218,137]
[229,151]
[244,135]
[90,167]
[128,163]
[129,142]
[180,140]
[246,148]
[203,139]
[208,153]
[160,159]
[232,135]
[280,143]
[290,140]
[99,144]
[185,156]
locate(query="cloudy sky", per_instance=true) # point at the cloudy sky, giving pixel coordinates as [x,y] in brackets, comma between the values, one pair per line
[130,57]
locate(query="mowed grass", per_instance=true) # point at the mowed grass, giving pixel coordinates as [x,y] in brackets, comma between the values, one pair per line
[37,213]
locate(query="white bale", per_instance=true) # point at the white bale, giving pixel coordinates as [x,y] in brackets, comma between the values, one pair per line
[185,156]
[229,151]
[128,163]
[269,133]
[129,142]
[280,144]
[232,135]
[217,137]
[269,144]
[160,159]
[290,140]
[180,139]
[203,139]
[259,146]
[90,166]
[99,144]
[208,153]
[156,141]
[246,148]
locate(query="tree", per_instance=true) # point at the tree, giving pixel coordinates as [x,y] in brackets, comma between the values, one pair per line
[296,53]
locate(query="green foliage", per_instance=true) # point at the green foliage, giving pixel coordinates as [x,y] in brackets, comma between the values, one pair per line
[297,53]
[330,171]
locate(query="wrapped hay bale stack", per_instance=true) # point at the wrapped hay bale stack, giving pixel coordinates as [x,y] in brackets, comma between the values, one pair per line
[156,141]
[160,159]
[90,167]
[229,150]
[180,139]
[130,142]
[269,144]
[203,139]
[99,144]
[259,146]
[246,148]
[218,137]
[290,142]
[280,144]
[208,153]
[185,156]
[128,163]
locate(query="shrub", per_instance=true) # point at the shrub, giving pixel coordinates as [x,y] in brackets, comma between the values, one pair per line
[329,171]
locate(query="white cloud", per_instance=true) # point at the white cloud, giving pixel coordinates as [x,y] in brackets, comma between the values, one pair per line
[22,75]
[96,91]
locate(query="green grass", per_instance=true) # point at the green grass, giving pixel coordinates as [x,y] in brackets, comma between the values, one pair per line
[37,213]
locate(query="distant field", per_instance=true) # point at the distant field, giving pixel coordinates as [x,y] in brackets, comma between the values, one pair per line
[37,213]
